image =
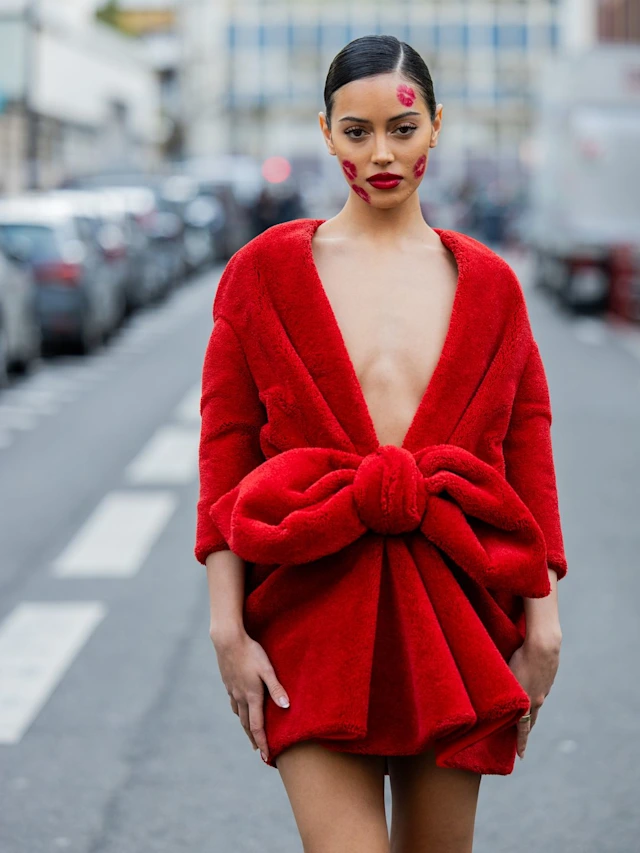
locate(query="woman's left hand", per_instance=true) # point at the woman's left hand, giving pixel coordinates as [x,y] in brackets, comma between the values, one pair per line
[534,664]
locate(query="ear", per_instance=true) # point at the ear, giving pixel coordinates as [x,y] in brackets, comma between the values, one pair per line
[326,132]
[436,126]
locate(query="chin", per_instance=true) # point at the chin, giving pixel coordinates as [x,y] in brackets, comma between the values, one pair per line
[390,203]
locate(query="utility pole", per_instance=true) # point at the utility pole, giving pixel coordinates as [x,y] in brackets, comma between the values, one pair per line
[32,126]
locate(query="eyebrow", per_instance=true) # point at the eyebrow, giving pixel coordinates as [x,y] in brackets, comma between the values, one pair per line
[393,118]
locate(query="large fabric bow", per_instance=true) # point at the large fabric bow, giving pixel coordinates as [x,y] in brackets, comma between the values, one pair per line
[308,502]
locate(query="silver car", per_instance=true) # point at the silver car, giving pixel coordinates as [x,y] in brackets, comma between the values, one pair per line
[20,336]
[75,298]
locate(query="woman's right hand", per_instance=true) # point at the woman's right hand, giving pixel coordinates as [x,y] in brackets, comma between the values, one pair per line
[245,668]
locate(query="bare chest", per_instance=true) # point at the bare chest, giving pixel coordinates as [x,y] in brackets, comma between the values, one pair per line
[394,316]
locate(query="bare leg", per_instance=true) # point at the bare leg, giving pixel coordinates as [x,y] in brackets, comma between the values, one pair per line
[434,808]
[337,798]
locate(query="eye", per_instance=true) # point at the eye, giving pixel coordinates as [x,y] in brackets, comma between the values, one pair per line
[349,130]
[410,127]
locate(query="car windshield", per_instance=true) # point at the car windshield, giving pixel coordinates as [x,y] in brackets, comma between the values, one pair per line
[37,242]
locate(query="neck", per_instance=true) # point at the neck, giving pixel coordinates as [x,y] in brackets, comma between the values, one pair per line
[380,226]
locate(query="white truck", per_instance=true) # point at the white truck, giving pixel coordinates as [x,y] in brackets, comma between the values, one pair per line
[584,221]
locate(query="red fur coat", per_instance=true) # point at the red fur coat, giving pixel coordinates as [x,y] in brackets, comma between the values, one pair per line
[385,584]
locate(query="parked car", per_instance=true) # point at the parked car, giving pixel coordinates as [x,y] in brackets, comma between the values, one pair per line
[20,335]
[179,195]
[75,300]
[233,227]
[100,226]
[162,226]
[147,276]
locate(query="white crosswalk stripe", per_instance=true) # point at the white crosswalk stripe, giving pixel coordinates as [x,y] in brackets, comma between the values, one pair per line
[116,539]
[170,457]
[38,642]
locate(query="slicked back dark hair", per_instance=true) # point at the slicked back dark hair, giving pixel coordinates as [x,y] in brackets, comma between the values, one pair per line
[377,54]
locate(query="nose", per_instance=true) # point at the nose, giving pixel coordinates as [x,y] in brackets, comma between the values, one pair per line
[381,153]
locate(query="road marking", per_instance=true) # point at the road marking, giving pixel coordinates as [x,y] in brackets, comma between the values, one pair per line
[38,642]
[116,539]
[189,407]
[170,457]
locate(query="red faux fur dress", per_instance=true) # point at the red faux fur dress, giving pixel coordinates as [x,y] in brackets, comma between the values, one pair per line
[385,584]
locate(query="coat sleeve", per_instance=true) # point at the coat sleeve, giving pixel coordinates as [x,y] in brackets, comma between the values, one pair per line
[231,418]
[528,454]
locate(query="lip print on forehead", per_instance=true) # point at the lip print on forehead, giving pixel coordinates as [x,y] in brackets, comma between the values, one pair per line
[349,169]
[419,166]
[361,192]
[406,95]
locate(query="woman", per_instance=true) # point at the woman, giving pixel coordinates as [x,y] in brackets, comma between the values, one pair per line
[382,551]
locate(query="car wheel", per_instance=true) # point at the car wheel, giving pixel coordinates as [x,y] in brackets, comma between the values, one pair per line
[91,337]
[32,353]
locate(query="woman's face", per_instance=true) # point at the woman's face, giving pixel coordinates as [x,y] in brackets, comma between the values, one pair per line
[381,124]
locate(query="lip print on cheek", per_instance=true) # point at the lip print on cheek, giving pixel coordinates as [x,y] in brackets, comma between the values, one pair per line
[361,192]
[406,95]
[349,169]
[419,166]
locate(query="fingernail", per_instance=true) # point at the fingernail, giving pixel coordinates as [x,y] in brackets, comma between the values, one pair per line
[264,757]
[284,701]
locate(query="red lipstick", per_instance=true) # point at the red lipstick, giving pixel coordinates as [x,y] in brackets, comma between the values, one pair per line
[384,180]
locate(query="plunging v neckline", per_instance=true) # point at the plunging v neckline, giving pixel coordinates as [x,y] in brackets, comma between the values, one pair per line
[337,338]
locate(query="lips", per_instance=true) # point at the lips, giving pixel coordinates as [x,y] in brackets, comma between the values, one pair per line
[384,180]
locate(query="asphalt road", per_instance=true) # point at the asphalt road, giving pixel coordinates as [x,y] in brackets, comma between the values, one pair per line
[116,734]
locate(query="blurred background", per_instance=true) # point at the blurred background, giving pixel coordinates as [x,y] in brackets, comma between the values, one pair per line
[142,142]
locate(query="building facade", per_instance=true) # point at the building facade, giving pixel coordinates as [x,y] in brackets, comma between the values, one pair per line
[75,97]
[253,72]
[619,21]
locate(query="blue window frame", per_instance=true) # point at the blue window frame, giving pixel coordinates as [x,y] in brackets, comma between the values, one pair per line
[451,35]
[423,36]
[479,35]
[304,35]
[512,36]
[247,35]
[334,35]
[275,35]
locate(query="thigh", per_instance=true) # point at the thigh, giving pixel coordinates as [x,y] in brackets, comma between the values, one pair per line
[337,798]
[433,808]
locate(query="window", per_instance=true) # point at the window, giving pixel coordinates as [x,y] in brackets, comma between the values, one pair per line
[305,36]
[480,35]
[334,36]
[452,36]
[512,36]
